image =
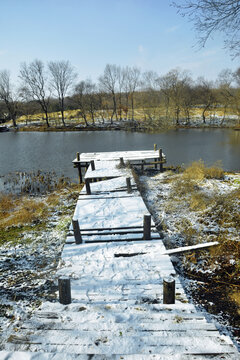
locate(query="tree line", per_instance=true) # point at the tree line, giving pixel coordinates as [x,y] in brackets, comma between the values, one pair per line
[117,95]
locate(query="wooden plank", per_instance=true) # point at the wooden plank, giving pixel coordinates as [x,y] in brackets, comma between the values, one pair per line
[190,248]
[101,232]
[128,345]
[140,227]
[7,355]
[141,327]
[73,356]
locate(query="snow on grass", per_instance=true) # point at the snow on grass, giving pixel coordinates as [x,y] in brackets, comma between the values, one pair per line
[195,210]
[29,260]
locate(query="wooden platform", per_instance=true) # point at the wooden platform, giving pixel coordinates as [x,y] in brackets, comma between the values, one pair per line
[143,158]
[116,155]
[117,309]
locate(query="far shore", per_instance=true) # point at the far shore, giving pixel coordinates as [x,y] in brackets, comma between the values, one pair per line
[117,126]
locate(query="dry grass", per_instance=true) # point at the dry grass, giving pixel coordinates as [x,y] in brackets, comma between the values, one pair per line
[22,211]
[186,229]
[6,203]
[225,210]
[198,171]
[187,185]
[199,201]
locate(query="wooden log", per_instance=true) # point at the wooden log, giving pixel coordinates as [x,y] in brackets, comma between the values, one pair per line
[64,288]
[169,290]
[76,231]
[147,227]
[121,161]
[160,159]
[88,189]
[129,185]
[92,165]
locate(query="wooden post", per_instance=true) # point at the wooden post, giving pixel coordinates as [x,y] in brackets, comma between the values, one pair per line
[87,184]
[64,288]
[142,165]
[147,227]
[169,290]
[79,168]
[92,165]
[155,147]
[76,231]
[129,185]
[160,159]
[122,162]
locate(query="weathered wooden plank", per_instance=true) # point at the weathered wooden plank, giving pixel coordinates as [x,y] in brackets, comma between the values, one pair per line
[6,355]
[205,329]
[190,248]
[130,345]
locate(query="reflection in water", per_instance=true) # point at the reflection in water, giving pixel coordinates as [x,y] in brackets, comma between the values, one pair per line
[234,138]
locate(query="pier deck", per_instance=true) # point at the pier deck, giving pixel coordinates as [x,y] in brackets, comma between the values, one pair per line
[117,309]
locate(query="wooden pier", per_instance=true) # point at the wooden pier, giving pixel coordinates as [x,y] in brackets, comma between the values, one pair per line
[124,299]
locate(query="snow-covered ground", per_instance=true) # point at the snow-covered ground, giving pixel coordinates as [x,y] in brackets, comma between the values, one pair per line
[183,222]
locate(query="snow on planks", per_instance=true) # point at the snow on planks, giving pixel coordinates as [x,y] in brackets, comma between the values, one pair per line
[117,309]
[116,155]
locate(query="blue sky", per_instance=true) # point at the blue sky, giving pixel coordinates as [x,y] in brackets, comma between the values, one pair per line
[91,33]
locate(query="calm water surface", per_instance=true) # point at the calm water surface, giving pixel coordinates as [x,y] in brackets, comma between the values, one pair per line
[54,151]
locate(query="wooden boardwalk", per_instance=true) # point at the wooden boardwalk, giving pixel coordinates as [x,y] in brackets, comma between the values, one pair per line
[117,309]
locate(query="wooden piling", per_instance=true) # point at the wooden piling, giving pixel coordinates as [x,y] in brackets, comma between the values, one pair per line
[88,189]
[121,161]
[64,288]
[79,168]
[76,231]
[155,149]
[169,290]
[92,165]
[161,159]
[129,185]
[147,227]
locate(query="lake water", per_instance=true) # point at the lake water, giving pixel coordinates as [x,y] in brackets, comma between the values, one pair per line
[54,151]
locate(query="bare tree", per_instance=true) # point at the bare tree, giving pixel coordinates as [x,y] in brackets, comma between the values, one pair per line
[205,96]
[132,81]
[7,95]
[108,83]
[120,82]
[226,93]
[62,76]
[35,84]
[86,99]
[210,16]
[173,86]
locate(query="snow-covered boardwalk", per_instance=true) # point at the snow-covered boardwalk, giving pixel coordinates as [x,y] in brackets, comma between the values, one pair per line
[117,309]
